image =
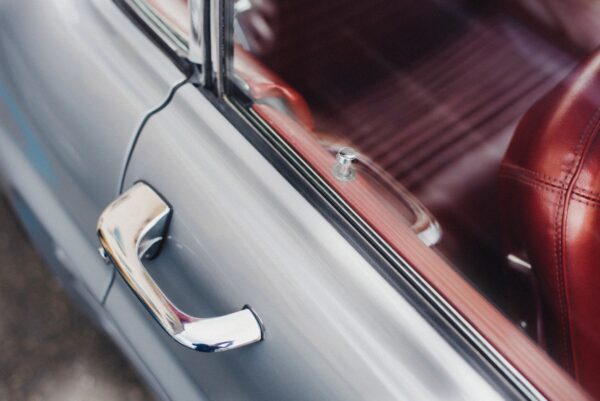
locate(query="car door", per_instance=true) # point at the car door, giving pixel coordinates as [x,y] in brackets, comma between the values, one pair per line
[241,234]
[76,80]
[246,230]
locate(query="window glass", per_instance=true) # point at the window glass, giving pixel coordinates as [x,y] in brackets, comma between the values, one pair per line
[407,108]
[173,12]
[169,19]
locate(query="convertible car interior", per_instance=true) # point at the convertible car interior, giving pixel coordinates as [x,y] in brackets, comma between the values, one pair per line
[474,121]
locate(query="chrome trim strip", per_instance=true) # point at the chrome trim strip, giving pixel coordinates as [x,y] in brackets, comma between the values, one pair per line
[174,40]
[194,49]
[196,45]
[218,39]
[401,265]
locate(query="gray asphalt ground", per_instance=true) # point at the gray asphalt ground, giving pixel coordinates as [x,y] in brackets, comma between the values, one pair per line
[48,350]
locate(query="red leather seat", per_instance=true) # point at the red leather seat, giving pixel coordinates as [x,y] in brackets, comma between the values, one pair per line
[550,191]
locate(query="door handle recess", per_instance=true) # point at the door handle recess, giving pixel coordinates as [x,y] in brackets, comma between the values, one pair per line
[131,228]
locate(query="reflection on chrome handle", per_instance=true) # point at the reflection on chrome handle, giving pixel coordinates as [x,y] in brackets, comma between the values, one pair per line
[132,227]
[425,224]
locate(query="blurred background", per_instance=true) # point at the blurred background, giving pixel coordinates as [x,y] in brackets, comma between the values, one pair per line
[48,350]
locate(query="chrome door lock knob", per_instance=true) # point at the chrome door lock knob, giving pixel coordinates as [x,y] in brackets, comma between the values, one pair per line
[343,169]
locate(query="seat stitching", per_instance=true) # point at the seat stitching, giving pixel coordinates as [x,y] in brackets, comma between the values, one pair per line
[588,191]
[531,180]
[523,170]
[581,192]
[586,197]
[595,203]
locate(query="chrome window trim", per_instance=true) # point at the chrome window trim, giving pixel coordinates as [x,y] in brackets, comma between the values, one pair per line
[196,46]
[221,42]
[222,39]
[192,55]
[174,40]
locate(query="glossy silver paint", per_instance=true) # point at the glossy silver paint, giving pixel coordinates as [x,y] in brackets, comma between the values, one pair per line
[76,80]
[133,227]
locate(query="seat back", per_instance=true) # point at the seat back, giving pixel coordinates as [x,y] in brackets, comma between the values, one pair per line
[550,192]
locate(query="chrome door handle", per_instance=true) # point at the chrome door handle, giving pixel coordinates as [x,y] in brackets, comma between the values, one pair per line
[132,227]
